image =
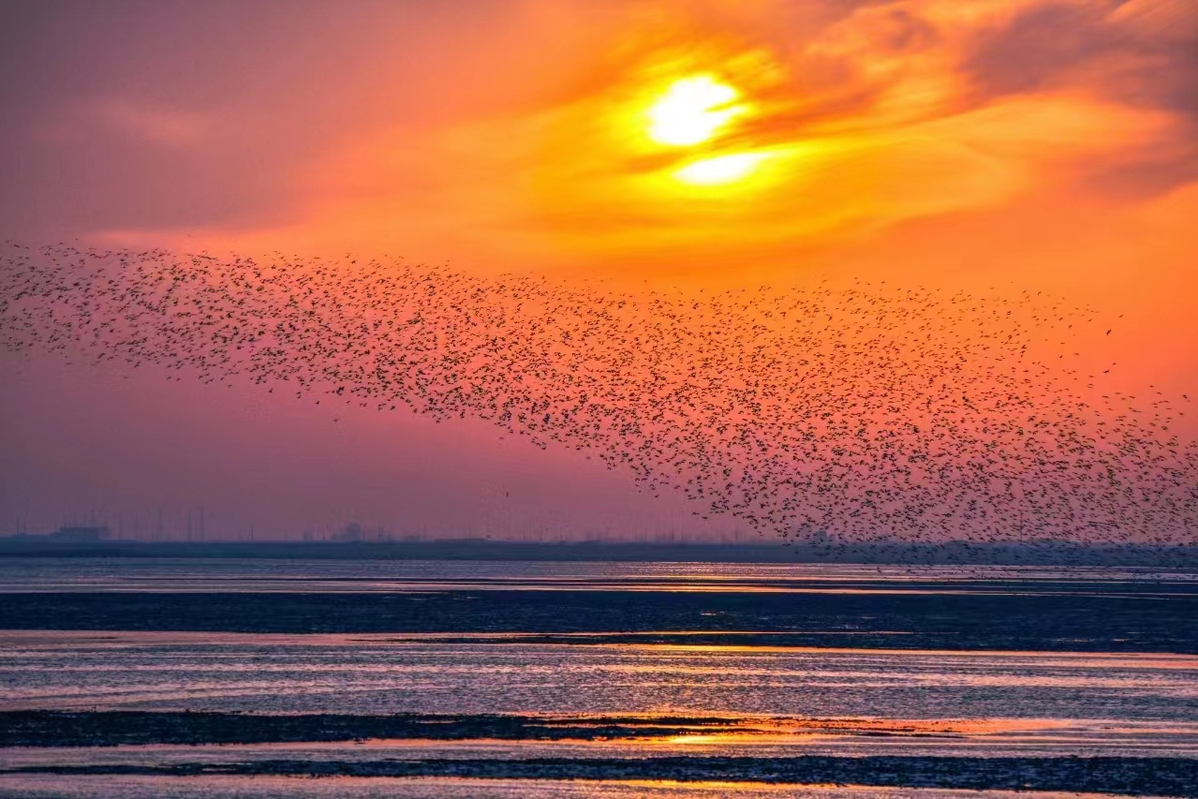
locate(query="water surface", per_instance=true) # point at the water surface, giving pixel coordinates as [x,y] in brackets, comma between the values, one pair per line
[779,662]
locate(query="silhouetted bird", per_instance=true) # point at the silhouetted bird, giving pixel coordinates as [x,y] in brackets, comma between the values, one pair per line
[834,415]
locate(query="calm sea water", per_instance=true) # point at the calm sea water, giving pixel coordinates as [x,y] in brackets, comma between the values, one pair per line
[915,662]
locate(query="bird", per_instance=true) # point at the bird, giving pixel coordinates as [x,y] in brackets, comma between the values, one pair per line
[819,413]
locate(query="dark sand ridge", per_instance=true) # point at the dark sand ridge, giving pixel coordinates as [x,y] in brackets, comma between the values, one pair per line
[1073,619]
[1176,777]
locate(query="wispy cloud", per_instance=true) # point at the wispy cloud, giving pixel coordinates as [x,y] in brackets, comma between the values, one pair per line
[153,124]
[868,115]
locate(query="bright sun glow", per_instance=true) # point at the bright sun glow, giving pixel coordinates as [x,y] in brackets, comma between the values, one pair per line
[692,110]
[721,169]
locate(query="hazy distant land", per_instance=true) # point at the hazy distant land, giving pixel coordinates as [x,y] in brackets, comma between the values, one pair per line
[1030,553]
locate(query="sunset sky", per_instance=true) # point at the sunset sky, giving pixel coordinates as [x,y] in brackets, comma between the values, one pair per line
[959,143]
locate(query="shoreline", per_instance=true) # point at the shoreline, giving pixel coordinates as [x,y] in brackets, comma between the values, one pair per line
[950,553]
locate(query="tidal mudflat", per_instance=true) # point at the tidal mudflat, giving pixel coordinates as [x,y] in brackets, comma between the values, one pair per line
[188,678]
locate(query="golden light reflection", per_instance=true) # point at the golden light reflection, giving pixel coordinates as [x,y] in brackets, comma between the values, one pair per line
[692,111]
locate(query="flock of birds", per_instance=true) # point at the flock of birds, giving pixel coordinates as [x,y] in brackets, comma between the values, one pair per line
[819,414]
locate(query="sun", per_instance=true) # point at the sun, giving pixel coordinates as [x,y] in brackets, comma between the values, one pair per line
[692,111]
[720,169]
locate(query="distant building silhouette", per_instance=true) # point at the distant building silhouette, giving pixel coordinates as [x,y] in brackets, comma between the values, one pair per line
[351,532]
[88,533]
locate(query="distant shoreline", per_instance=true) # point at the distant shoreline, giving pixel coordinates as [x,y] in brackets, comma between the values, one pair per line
[1045,553]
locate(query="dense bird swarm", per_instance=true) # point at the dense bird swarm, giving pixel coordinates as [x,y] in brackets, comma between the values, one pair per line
[853,413]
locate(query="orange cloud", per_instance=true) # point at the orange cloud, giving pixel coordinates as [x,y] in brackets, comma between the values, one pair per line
[854,123]
[892,113]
